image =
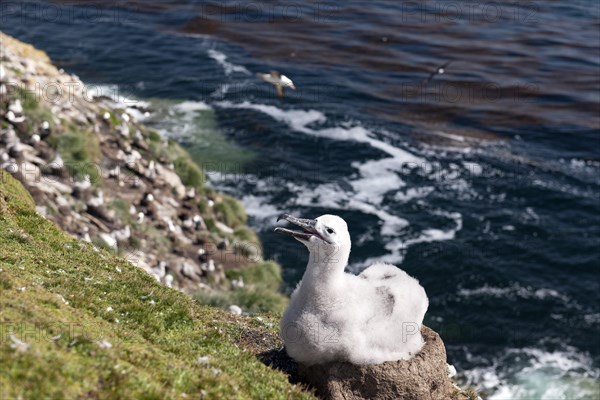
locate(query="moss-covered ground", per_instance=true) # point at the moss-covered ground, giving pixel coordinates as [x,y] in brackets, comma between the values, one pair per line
[79,322]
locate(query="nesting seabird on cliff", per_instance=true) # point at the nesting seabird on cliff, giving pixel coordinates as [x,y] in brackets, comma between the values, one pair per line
[278,80]
[369,318]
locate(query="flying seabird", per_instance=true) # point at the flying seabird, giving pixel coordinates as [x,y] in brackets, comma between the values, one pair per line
[278,80]
[441,70]
[369,318]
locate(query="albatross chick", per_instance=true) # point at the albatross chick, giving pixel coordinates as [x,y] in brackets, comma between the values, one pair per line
[369,318]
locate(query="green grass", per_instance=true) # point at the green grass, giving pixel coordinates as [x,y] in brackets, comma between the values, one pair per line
[246,243]
[76,146]
[267,274]
[210,225]
[156,333]
[113,120]
[253,300]
[153,136]
[231,211]
[259,294]
[185,167]
[190,173]
[121,209]
[80,151]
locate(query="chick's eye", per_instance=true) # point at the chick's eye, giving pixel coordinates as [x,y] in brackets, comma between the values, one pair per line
[330,231]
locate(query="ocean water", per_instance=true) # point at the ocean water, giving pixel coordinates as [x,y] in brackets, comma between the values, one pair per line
[484,184]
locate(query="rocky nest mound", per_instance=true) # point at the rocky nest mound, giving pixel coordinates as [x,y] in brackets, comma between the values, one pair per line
[425,377]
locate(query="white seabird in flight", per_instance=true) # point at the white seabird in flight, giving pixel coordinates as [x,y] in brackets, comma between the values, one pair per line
[441,70]
[278,80]
[369,318]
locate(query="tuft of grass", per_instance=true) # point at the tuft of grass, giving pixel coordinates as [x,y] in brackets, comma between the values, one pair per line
[203,207]
[267,274]
[252,300]
[259,294]
[121,209]
[170,151]
[231,211]
[210,225]
[79,147]
[113,120]
[471,393]
[154,136]
[189,172]
[245,234]
[185,167]
[114,331]
[81,152]
[161,242]
[246,243]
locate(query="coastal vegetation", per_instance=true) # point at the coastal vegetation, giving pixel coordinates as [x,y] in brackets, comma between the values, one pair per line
[114,284]
[114,330]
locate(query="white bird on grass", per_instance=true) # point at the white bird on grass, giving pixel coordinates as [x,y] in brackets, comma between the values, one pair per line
[278,80]
[369,318]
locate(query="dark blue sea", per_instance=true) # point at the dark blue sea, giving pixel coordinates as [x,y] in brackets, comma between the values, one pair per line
[483,184]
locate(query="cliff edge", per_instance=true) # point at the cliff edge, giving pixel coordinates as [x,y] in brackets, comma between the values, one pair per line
[94,169]
[101,220]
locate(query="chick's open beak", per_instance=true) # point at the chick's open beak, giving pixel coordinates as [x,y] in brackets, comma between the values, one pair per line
[307,225]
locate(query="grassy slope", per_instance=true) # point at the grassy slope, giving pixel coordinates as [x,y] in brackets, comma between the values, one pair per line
[156,342]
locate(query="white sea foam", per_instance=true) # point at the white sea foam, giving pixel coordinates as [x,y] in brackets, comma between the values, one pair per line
[259,208]
[397,247]
[534,373]
[228,67]
[515,290]
[413,193]
[300,120]
[391,224]
[374,179]
[530,215]
[131,105]
[592,319]
[191,106]
[376,175]
[566,188]
[474,168]
[296,119]
[221,91]
[178,122]
[438,235]
[328,196]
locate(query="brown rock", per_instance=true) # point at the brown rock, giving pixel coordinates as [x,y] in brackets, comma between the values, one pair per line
[100,212]
[424,377]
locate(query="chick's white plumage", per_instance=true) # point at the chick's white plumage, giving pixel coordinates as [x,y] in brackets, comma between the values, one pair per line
[369,318]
